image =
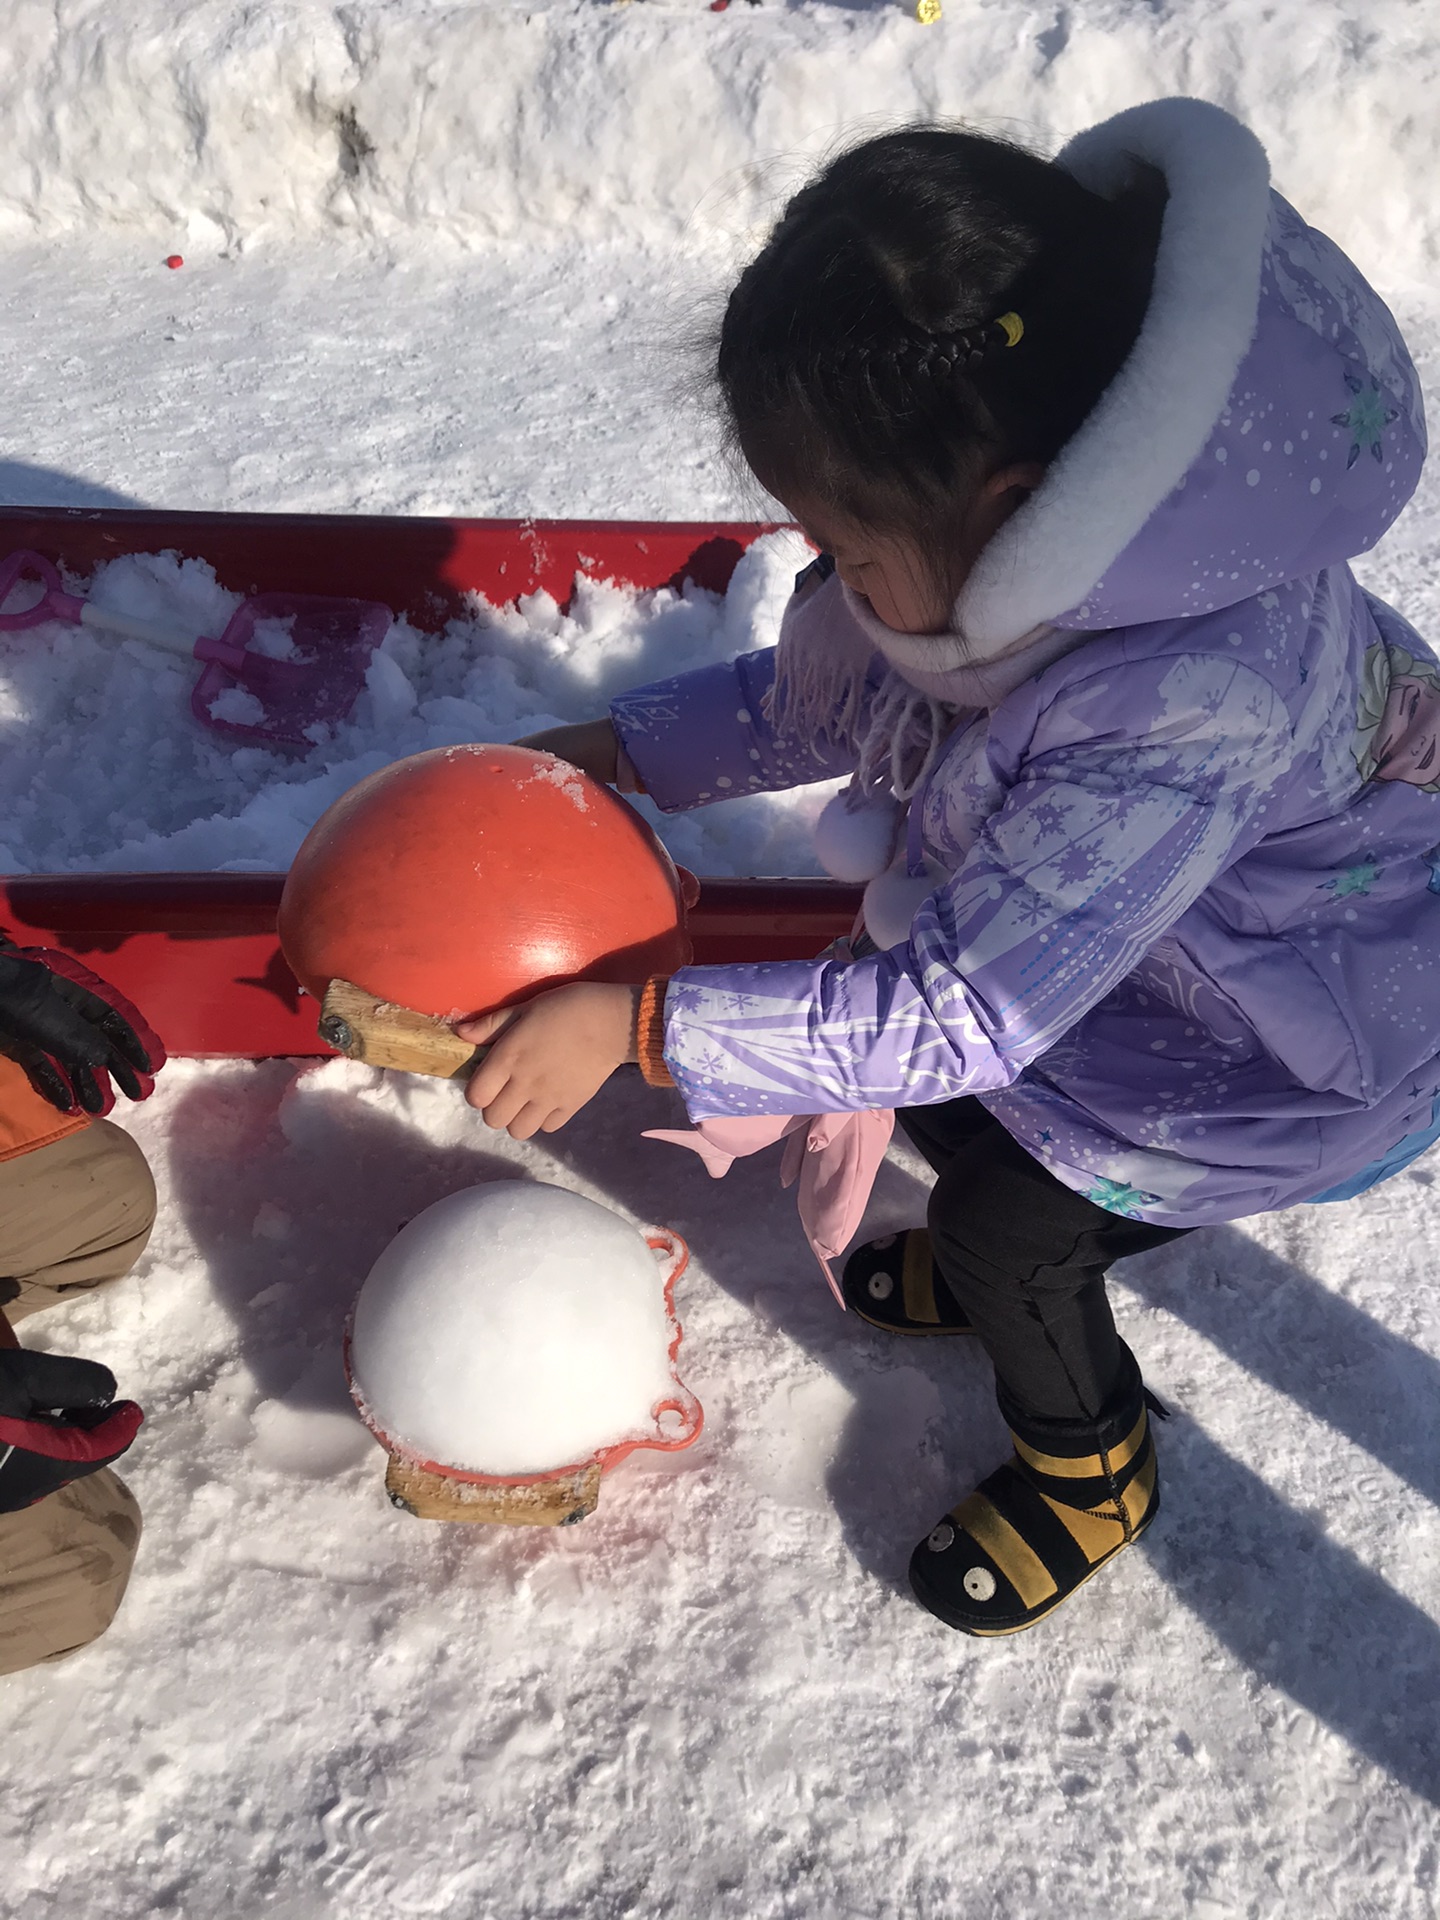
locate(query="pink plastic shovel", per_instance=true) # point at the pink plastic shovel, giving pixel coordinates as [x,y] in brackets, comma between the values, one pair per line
[287,666]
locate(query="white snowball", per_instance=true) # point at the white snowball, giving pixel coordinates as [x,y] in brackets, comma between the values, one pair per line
[893,899]
[513,1328]
[856,843]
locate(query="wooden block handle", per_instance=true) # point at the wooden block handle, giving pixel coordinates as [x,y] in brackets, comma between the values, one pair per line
[531,1503]
[381,1034]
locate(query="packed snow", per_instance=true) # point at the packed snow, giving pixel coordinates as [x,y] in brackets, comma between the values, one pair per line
[447,257]
[155,792]
[513,1328]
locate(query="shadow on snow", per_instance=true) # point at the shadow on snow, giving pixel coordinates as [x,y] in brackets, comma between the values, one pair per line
[1295,1606]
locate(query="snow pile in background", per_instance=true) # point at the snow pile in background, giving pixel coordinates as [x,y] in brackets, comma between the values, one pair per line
[486,122]
[513,1328]
[454,258]
[152,790]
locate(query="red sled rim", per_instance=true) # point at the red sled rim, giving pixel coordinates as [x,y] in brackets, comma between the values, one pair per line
[683,1403]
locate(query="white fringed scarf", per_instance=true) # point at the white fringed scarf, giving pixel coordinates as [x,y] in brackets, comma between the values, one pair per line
[897,730]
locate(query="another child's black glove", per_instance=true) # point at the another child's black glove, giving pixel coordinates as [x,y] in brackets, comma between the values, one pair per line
[59,1420]
[66,1037]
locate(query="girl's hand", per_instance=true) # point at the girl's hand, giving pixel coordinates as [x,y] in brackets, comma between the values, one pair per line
[588,744]
[551,1055]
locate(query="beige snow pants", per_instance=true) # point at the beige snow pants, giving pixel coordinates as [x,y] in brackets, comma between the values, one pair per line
[74,1215]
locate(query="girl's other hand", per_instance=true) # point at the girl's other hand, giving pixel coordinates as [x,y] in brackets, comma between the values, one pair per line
[588,744]
[548,1057]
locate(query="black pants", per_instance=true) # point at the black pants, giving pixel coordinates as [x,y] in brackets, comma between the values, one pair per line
[1025,1257]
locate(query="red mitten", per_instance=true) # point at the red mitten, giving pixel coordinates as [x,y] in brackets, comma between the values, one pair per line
[59,1421]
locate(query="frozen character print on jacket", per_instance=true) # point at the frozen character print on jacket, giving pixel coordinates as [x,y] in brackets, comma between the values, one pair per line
[1397,724]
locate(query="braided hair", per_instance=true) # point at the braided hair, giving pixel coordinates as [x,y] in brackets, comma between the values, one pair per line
[933,306]
[910,360]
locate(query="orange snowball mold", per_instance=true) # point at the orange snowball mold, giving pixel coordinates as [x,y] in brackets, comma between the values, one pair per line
[470,877]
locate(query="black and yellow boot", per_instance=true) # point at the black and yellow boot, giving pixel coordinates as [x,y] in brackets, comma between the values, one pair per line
[1072,1496]
[893,1283]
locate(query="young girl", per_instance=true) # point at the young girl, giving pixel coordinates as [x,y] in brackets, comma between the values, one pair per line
[1085,445]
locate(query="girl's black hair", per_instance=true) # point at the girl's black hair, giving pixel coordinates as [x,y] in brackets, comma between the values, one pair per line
[859,362]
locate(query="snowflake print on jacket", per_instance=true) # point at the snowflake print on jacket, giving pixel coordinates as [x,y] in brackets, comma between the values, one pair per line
[1367,417]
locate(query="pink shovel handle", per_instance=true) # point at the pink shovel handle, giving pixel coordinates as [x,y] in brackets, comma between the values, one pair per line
[53,602]
[223,652]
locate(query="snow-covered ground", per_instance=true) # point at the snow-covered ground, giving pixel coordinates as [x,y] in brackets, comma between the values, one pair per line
[439,258]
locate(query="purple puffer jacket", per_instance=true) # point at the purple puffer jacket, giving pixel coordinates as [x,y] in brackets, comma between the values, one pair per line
[1183,935]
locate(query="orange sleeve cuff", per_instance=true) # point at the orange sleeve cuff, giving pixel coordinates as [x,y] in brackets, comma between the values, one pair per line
[650,1032]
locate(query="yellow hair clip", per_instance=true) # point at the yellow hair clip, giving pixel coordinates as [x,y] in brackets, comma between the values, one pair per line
[1013,328]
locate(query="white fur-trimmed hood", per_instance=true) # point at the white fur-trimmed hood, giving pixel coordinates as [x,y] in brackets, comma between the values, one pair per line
[1157,413]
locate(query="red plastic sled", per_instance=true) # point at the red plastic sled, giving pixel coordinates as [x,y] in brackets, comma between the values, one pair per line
[198,951]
